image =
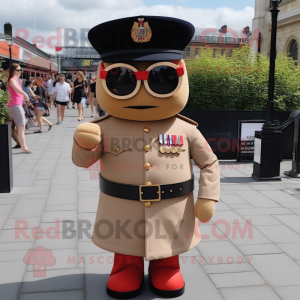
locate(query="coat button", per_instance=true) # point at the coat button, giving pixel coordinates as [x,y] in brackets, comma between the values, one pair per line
[147,148]
[149,183]
[117,149]
[147,166]
[146,129]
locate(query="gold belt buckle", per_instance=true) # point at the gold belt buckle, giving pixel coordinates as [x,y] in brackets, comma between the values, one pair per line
[148,201]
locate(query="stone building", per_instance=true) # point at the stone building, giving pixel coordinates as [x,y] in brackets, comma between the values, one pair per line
[288,29]
[222,41]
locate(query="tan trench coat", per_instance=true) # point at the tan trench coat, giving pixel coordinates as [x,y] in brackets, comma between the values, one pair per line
[166,228]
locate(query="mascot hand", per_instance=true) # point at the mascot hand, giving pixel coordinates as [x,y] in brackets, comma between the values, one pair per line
[204,209]
[87,135]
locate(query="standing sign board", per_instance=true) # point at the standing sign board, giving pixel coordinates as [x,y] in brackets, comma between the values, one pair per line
[246,137]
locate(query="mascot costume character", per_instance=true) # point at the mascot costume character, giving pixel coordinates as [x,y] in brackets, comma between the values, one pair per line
[146,206]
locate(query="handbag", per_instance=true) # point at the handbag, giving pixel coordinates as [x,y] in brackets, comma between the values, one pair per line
[85,101]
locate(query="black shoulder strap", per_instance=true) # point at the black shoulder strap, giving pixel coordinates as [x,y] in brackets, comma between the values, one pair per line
[83,81]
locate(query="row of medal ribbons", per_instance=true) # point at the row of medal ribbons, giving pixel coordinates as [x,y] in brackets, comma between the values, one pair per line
[170,143]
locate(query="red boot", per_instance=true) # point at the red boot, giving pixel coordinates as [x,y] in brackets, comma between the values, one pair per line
[127,277]
[165,277]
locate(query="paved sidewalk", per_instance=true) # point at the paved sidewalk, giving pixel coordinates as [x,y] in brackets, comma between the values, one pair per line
[234,261]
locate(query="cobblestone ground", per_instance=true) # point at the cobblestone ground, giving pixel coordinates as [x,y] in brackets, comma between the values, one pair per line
[234,260]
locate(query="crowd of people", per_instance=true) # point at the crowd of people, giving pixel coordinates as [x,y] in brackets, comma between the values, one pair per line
[32,99]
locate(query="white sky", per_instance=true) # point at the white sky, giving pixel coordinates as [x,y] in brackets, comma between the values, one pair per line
[77,14]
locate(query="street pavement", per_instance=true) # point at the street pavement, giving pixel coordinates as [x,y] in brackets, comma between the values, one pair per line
[250,249]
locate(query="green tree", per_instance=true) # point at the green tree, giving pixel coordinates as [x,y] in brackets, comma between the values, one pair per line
[4,97]
[241,82]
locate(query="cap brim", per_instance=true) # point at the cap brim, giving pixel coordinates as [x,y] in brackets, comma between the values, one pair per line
[142,57]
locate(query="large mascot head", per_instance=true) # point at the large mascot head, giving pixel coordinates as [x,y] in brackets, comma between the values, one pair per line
[142,75]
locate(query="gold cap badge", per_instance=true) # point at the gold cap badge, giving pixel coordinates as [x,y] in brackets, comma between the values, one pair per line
[141,32]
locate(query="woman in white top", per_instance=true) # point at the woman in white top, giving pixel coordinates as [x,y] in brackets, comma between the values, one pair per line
[61,93]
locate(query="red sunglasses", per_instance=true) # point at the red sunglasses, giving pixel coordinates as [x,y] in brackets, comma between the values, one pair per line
[123,81]
[141,75]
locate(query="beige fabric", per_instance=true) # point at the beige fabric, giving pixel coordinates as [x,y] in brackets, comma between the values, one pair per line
[204,210]
[87,135]
[172,221]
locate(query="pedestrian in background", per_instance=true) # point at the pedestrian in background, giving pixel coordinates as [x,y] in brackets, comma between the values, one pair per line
[46,83]
[100,111]
[16,96]
[23,83]
[50,90]
[54,84]
[90,81]
[33,85]
[93,100]
[80,93]
[46,90]
[41,105]
[61,93]
[69,81]
[29,92]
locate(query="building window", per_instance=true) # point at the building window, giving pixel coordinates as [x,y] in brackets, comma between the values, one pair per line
[211,38]
[215,53]
[293,51]
[197,52]
[223,52]
[188,52]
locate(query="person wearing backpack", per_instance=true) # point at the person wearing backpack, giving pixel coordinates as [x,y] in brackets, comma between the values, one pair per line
[40,105]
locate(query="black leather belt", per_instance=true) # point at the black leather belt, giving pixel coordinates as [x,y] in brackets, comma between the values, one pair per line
[146,193]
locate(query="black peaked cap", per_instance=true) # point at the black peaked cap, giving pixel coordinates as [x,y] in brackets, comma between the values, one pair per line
[115,40]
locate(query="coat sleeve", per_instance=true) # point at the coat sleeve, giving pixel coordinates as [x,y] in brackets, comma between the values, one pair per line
[85,158]
[201,152]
